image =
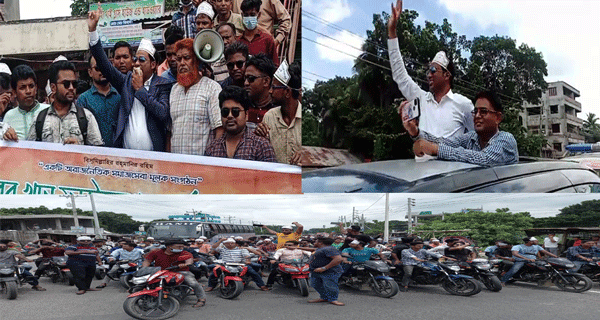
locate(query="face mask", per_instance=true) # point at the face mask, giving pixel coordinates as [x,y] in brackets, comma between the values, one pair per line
[176,250]
[250,23]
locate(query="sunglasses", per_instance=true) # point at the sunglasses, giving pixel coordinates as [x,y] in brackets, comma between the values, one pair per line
[235,112]
[482,111]
[239,64]
[68,83]
[251,78]
[431,70]
[142,59]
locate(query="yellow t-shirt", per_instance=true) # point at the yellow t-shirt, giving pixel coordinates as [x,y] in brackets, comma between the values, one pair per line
[283,238]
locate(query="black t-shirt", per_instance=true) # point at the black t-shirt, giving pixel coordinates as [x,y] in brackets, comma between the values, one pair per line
[398,249]
[460,255]
[503,252]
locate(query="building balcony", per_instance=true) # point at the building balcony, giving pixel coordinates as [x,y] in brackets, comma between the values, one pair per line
[574,120]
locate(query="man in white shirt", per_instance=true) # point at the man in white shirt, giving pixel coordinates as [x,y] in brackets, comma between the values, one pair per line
[551,243]
[443,113]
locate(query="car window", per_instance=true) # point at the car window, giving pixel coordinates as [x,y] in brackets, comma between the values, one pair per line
[541,182]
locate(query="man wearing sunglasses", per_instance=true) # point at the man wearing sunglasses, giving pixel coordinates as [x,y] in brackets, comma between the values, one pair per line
[238,141]
[236,55]
[258,75]
[143,115]
[443,112]
[486,146]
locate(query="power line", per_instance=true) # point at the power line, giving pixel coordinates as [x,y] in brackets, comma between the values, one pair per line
[359,58]
[314,74]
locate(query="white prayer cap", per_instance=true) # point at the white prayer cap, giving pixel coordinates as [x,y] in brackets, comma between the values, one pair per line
[267,240]
[533,239]
[203,237]
[4,68]
[287,227]
[434,240]
[146,45]
[355,242]
[239,238]
[230,240]
[84,238]
[283,73]
[60,58]
[206,9]
[150,238]
[441,59]
[199,240]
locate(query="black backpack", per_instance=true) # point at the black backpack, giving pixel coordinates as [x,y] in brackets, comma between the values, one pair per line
[81,121]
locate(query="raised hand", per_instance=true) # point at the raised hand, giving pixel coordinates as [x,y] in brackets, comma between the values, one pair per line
[393,22]
[93,18]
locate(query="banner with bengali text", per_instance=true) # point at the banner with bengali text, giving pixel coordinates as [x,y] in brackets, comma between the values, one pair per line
[29,167]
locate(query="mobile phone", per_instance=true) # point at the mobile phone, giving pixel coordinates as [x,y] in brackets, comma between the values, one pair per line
[413,109]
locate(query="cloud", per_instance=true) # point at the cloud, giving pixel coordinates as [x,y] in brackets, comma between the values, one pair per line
[345,42]
[332,11]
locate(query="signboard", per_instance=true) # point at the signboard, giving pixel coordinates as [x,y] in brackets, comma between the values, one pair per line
[424,213]
[116,23]
[31,167]
[140,233]
[78,229]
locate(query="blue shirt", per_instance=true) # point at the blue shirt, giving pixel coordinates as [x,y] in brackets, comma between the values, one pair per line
[105,110]
[408,254]
[529,252]
[135,255]
[169,75]
[360,255]
[323,257]
[489,251]
[572,253]
[500,150]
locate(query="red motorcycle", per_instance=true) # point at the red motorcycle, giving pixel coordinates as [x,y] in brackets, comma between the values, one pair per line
[231,278]
[294,273]
[161,296]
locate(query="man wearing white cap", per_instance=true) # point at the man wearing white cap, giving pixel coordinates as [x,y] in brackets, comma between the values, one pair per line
[144,109]
[522,253]
[443,113]
[204,16]
[267,246]
[82,263]
[283,125]
[5,90]
[286,234]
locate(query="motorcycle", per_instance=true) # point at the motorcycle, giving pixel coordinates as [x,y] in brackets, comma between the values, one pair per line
[231,277]
[294,273]
[556,271]
[480,269]
[159,295]
[591,269]
[124,274]
[11,279]
[444,273]
[375,274]
[57,270]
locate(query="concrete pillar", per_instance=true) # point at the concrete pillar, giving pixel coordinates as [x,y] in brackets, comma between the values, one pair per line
[23,226]
[11,10]
[58,225]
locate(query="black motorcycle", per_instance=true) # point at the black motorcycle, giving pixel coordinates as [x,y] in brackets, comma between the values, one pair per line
[444,273]
[56,269]
[591,269]
[480,269]
[375,273]
[556,271]
[11,278]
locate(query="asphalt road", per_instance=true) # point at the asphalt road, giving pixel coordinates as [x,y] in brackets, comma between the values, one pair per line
[518,301]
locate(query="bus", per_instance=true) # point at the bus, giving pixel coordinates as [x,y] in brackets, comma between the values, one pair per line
[169,229]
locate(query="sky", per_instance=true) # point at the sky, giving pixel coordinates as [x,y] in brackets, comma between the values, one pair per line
[565,32]
[310,210]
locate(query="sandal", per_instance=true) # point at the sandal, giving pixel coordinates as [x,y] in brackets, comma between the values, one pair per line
[38,288]
[102,286]
[80,292]
[337,303]
[200,304]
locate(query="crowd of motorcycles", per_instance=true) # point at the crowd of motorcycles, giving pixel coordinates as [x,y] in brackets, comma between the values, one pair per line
[157,294]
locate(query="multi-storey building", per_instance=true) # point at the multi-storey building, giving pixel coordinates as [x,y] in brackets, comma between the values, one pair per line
[555,117]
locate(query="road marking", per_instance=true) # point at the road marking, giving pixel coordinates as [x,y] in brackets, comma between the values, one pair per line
[594,291]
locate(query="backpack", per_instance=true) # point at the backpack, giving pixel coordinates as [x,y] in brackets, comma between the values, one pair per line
[81,121]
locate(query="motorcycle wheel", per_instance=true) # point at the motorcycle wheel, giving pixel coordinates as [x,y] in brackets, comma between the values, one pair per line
[145,307]
[11,290]
[232,290]
[387,288]
[124,280]
[462,287]
[70,278]
[100,273]
[492,283]
[303,287]
[575,283]
[55,277]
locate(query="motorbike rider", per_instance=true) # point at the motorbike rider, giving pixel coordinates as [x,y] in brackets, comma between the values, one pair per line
[580,255]
[290,251]
[286,234]
[504,252]
[48,249]
[196,270]
[526,252]
[231,253]
[127,252]
[358,253]
[174,253]
[459,250]
[411,258]
[268,246]
[9,257]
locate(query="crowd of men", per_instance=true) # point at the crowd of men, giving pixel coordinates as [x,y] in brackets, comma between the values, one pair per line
[244,106]
[329,256]
[449,126]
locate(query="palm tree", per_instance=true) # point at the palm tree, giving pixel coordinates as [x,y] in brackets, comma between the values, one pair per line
[591,128]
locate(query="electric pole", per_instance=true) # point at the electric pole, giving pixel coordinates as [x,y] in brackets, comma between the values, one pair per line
[75,218]
[386,224]
[96,222]
[411,203]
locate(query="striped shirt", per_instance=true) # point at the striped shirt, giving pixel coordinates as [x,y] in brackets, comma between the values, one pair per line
[235,255]
[194,114]
[500,150]
[86,258]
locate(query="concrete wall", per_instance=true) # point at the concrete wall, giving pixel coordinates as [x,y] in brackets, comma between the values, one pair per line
[69,34]
[21,236]
[11,10]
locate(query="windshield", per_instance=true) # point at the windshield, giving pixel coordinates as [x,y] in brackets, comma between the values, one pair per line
[169,230]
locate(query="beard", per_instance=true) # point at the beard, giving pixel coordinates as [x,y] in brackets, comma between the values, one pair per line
[101,82]
[188,79]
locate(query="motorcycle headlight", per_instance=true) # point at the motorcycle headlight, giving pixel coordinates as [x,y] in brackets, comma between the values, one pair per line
[124,266]
[6,271]
[232,269]
[454,268]
[140,280]
[291,269]
[305,268]
[570,265]
[483,266]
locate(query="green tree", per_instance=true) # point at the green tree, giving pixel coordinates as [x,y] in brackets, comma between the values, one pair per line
[591,128]
[485,227]
[81,7]
[585,214]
